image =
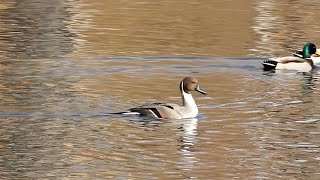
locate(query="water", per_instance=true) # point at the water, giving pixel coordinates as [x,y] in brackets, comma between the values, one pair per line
[66,64]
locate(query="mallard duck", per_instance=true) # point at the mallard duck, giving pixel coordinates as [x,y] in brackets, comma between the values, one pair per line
[302,61]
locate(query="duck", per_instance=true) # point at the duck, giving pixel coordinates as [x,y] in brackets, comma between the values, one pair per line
[302,61]
[188,109]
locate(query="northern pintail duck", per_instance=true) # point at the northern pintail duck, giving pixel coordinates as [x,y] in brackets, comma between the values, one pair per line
[302,61]
[188,109]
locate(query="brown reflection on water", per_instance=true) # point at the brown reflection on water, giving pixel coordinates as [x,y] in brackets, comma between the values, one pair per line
[144,28]
[95,28]
[206,28]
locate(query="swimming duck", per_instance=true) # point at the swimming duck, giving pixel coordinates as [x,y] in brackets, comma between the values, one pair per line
[302,61]
[188,109]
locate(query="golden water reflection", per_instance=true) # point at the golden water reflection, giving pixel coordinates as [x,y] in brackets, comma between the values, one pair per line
[95,28]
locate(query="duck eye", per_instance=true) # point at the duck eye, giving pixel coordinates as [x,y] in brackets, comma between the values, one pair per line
[193,82]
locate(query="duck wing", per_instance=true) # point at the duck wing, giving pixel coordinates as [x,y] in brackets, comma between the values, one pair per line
[157,110]
[289,59]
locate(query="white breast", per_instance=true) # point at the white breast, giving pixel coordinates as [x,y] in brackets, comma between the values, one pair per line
[190,108]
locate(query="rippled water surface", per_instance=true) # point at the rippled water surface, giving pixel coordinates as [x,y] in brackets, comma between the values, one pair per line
[66,64]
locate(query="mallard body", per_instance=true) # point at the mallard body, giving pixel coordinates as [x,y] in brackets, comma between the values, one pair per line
[302,61]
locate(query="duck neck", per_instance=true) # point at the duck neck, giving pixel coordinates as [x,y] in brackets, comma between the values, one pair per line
[189,105]
[310,61]
[188,102]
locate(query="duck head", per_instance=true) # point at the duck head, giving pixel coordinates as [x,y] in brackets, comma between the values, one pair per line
[308,50]
[189,84]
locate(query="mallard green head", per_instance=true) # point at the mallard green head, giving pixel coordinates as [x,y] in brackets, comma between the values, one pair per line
[308,50]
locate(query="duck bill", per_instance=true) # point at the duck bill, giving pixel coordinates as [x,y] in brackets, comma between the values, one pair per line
[318,52]
[200,90]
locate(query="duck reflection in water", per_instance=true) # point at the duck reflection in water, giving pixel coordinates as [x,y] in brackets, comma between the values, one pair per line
[188,138]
